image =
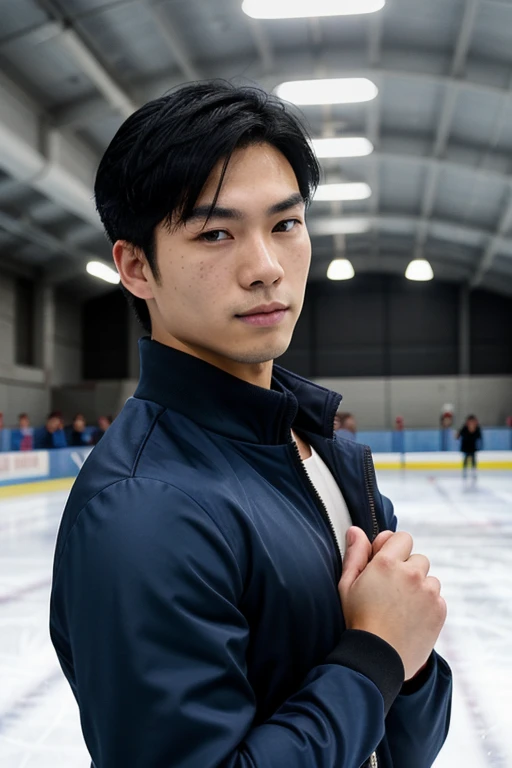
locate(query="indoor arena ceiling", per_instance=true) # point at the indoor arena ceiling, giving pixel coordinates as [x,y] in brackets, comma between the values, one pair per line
[441,124]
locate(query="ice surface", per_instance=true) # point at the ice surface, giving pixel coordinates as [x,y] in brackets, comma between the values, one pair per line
[464,528]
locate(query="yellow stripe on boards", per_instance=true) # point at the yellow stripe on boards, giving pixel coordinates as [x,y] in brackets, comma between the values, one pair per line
[442,465]
[41,486]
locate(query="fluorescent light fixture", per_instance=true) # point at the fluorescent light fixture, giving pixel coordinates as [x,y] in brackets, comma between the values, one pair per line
[103,271]
[419,269]
[340,269]
[342,147]
[345,191]
[340,90]
[300,9]
[321,226]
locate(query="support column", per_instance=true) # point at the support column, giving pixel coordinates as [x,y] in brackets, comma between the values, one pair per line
[464,331]
[44,331]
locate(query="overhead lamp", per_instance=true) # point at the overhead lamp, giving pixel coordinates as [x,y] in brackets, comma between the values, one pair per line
[337,90]
[320,226]
[420,270]
[340,269]
[342,147]
[344,191]
[103,271]
[297,9]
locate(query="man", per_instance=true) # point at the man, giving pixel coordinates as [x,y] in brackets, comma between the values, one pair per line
[104,423]
[345,425]
[195,604]
[76,435]
[470,436]
[52,434]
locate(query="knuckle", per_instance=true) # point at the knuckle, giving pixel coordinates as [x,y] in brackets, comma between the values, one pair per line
[406,537]
[434,585]
[385,562]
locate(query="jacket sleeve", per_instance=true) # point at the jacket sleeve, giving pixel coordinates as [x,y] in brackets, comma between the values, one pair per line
[419,718]
[145,622]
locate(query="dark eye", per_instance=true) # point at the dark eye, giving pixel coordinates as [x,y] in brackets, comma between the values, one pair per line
[286,226]
[214,236]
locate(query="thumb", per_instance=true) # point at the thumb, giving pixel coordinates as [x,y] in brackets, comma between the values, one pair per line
[357,556]
[379,542]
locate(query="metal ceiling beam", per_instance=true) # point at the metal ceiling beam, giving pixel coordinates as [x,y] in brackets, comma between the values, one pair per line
[96,72]
[297,66]
[178,49]
[373,119]
[24,229]
[262,44]
[61,167]
[445,122]
[449,231]
[494,245]
[87,60]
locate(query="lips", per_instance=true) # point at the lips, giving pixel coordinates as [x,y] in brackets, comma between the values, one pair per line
[264,309]
[264,316]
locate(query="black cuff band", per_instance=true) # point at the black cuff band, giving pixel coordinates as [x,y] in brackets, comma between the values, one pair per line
[368,654]
[415,683]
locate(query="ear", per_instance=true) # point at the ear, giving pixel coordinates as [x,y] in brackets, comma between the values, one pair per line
[133,269]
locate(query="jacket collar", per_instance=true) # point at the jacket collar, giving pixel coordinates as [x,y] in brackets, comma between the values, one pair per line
[229,406]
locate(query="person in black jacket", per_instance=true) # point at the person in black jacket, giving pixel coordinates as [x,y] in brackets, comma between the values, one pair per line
[75,434]
[470,436]
[229,587]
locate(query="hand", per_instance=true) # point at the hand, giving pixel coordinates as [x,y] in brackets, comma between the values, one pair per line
[386,590]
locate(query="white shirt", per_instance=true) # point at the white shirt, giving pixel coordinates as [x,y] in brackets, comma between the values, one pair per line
[329,492]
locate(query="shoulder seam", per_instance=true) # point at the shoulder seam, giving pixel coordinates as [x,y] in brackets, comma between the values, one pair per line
[145,440]
[153,480]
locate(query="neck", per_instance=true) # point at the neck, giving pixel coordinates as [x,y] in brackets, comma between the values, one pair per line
[258,374]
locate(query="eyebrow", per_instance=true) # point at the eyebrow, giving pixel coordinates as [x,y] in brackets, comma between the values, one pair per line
[219,212]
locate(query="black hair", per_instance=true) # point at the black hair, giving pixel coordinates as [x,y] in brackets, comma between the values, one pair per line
[160,159]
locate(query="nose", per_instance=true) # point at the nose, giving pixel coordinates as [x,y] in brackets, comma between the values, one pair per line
[260,265]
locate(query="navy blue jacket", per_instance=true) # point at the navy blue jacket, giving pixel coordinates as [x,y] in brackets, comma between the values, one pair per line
[195,609]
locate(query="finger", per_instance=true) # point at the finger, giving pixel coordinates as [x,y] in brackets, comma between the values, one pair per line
[397,547]
[356,558]
[419,563]
[379,542]
[434,585]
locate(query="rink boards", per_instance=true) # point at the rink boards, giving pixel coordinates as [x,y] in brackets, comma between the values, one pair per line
[42,471]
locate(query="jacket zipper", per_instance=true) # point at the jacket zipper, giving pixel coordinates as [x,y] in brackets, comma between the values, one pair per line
[318,498]
[369,475]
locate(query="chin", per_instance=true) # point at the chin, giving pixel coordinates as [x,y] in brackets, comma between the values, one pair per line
[262,355]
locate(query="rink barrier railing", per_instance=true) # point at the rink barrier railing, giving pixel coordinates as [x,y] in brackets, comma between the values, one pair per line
[38,471]
[380,441]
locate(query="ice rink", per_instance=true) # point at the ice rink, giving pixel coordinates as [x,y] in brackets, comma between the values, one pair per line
[465,529]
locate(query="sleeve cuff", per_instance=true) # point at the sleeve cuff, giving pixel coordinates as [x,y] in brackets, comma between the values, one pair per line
[418,681]
[372,657]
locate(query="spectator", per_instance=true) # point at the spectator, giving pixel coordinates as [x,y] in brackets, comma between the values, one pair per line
[52,436]
[104,423]
[75,434]
[345,426]
[23,438]
[470,437]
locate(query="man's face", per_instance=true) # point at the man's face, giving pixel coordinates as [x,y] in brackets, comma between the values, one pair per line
[253,253]
[24,422]
[79,424]
[53,424]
